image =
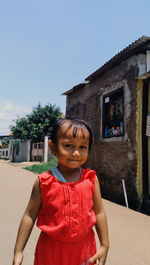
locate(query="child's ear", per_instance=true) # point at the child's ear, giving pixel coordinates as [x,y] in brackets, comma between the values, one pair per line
[51,146]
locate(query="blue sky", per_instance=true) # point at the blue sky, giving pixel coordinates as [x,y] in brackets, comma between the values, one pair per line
[47,47]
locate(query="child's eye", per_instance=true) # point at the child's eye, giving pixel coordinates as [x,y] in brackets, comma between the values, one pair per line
[67,145]
[83,147]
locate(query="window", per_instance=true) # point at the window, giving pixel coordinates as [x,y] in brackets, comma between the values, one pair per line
[39,158]
[40,146]
[35,158]
[113,114]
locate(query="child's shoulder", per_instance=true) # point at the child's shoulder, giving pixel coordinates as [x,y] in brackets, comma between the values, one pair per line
[45,177]
[89,173]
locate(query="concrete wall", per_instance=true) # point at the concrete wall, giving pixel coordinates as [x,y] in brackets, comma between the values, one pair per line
[24,152]
[114,158]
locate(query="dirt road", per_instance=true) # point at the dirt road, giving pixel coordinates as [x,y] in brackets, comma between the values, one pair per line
[129,230]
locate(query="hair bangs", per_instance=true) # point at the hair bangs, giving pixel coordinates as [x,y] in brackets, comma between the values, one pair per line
[73,128]
[80,131]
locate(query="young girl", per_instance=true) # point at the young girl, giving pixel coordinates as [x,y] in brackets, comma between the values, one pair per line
[67,204]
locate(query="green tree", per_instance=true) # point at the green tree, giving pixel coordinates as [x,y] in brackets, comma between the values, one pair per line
[37,124]
[5,140]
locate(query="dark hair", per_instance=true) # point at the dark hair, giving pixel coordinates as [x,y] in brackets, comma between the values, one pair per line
[76,124]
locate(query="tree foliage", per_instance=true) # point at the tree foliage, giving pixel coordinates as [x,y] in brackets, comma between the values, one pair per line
[5,141]
[37,124]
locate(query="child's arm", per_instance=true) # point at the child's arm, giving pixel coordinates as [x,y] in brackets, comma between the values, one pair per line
[101,226]
[27,222]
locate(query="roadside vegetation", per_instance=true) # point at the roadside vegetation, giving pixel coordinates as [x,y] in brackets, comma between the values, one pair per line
[42,167]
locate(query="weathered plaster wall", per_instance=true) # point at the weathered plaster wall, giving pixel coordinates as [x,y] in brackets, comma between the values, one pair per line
[113,158]
[139,183]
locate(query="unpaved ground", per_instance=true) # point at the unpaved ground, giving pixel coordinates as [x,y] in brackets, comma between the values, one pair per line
[129,231]
[21,164]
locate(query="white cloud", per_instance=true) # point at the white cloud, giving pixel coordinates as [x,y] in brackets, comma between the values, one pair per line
[9,112]
[7,107]
[3,115]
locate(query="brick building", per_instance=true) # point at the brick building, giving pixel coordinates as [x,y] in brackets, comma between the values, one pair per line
[115,100]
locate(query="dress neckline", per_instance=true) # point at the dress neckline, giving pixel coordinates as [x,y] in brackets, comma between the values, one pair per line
[60,178]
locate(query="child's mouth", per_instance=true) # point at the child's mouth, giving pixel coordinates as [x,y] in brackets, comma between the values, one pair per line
[72,160]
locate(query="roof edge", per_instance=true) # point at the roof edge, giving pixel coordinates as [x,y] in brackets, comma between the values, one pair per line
[80,85]
[119,57]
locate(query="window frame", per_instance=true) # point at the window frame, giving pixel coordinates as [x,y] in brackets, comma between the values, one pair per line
[118,129]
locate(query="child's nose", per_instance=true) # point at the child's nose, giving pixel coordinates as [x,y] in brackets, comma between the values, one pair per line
[76,152]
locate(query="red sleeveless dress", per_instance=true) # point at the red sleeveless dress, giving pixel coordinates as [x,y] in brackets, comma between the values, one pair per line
[66,220]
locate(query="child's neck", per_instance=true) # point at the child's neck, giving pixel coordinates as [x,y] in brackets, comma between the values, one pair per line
[70,174]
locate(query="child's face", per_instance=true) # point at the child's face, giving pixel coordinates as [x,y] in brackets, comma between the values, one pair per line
[70,151]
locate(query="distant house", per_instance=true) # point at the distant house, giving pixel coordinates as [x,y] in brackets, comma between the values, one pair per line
[37,152]
[115,100]
[27,151]
[4,153]
[5,146]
